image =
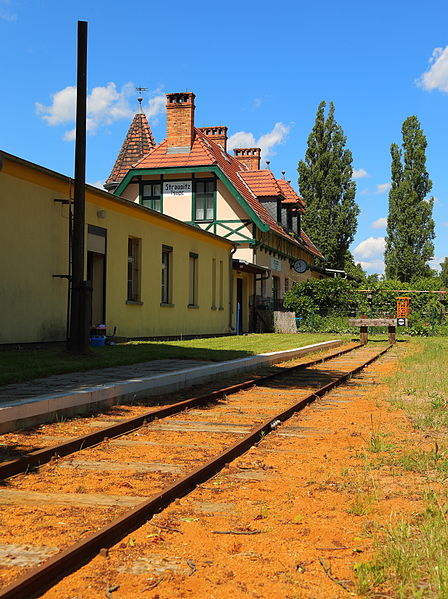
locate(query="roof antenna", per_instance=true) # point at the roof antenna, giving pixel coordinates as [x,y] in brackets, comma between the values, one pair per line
[283,173]
[140,99]
[268,162]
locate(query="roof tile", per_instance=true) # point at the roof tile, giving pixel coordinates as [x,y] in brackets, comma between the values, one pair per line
[138,142]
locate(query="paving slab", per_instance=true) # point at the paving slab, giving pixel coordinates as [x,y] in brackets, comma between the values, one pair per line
[45,400]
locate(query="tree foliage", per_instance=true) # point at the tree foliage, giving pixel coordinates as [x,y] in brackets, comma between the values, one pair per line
[341,297]
[444,272]
[326,185]
[410,227]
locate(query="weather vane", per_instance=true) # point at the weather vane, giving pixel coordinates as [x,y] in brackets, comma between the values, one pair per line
[140,99]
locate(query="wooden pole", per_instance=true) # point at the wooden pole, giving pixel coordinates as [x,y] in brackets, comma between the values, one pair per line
[392,334]
[79,339]
[363,334]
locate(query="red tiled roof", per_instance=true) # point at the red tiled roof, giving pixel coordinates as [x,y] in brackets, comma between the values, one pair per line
[204,152]
[262,183]
[291,197]
[310,245]
[138,142]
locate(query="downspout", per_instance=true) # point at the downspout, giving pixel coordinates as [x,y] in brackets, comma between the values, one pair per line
[231,329]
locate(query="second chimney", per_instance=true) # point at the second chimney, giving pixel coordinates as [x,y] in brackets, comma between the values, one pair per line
[180,122]
[217,134]
[249,156]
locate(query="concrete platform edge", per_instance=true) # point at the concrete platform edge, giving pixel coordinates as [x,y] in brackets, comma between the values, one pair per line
[38,410]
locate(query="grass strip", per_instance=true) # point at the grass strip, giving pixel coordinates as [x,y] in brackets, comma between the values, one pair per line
[412,554]
[22,364]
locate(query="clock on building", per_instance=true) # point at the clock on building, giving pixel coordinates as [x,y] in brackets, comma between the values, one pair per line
[300,266]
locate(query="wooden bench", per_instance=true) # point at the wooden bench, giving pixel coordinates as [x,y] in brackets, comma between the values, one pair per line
[365,323]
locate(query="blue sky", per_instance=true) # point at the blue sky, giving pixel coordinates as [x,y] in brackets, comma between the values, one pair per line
[259,68]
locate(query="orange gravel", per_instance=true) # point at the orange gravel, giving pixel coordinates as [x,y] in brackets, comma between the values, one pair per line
[308,496]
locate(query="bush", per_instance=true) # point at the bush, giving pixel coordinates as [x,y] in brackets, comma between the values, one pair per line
[336,298]
[325,297]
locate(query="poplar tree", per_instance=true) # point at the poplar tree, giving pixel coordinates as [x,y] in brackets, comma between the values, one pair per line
[410,227]
[326,185]
[444,273]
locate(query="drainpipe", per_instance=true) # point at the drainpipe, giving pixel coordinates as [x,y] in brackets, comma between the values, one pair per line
[231,289]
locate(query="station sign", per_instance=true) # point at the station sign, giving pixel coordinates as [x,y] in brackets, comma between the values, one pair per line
[177,189]
[276,264]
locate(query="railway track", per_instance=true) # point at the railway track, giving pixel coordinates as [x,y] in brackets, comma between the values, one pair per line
[105,484]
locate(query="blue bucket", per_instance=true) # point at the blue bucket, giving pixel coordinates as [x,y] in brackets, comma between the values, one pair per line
[97,340]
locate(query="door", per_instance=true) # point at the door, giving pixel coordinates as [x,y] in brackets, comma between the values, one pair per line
[96,272]
[96,275]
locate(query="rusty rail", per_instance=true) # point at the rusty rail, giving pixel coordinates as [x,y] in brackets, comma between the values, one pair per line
[38,580]
[42,456]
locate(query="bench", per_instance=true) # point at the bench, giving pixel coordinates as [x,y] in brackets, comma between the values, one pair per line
[365,323]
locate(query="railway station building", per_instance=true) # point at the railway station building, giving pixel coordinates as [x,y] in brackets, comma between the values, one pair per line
[190,176]
[151,274]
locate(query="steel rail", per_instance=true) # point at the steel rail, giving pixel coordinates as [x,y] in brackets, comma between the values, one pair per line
[39,579]
[42,456]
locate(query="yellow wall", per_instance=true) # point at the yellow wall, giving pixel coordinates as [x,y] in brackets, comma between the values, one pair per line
[33,241]
[33,238]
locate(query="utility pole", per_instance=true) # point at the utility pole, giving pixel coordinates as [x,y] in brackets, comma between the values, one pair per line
[80,293]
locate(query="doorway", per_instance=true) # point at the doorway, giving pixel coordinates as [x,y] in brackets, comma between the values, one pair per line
[96,272]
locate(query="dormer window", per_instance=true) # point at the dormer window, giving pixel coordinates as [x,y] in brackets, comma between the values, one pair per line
[151,195]
[204,204]
[289,220]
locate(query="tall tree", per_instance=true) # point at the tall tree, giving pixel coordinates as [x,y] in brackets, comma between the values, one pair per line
[444,272]
[326,185]
[410,227]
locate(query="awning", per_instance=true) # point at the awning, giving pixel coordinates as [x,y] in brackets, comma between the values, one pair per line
[244,266]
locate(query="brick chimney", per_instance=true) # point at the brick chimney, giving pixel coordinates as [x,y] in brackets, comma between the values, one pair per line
[217,134]
[180,122]
[249,156]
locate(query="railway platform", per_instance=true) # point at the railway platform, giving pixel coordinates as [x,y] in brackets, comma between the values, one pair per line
[42,400]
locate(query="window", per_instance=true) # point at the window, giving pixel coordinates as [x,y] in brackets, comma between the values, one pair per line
[134,257]
[166,285]
[152,195]
[204,206]
[193,280]
[213,283]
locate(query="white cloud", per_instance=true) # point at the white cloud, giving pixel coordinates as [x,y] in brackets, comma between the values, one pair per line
[436,77]
[380,223]
[382,188]
[360,173]
[266,142]
[241,139]
[373,266]
[155,106]
[435,263]
[98,184]
[373,247]
[257,102]
[5,12]
[369,253]
[105,105]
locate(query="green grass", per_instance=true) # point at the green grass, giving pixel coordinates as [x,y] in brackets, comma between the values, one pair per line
[25,364]
[411,558]
[412,555]
[421,385]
